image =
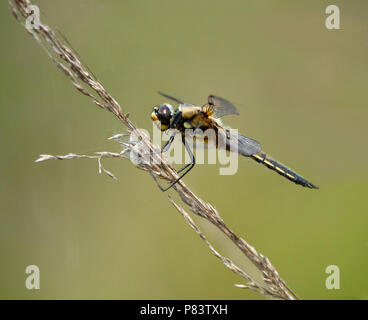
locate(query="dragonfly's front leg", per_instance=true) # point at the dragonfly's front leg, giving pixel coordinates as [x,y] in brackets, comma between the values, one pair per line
[190,165]
[166,146]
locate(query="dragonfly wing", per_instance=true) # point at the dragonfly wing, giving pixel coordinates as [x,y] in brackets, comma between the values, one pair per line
[202,140]
[207,140]
[238,143]
[174,99]
[248,146]
[221,107]
[227,139]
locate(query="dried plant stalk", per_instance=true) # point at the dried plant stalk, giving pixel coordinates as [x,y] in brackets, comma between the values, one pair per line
[85,82]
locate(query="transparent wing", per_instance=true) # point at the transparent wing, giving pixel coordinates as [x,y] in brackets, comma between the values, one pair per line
[227,139]
[248,146]
[175,99]
[235,142]
[204,140]
[221,107]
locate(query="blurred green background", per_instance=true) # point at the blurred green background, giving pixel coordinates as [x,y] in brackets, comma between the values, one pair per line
[301,91]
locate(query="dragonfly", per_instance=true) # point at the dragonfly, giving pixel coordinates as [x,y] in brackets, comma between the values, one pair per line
[208,116]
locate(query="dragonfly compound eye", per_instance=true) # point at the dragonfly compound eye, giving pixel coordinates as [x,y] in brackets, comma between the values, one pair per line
[164,114]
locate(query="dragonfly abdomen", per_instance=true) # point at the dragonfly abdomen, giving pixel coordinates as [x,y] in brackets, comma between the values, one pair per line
[282,170]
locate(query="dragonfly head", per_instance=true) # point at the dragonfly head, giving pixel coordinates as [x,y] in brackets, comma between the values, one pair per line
[163,114]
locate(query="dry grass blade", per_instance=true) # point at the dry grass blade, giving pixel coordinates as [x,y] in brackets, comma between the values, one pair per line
[85,82]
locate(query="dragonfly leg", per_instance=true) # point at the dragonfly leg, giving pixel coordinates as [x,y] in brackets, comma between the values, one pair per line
[182,169]
[166,146]
[190,165]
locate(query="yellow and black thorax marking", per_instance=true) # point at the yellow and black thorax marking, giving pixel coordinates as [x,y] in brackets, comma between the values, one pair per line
[197,117]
